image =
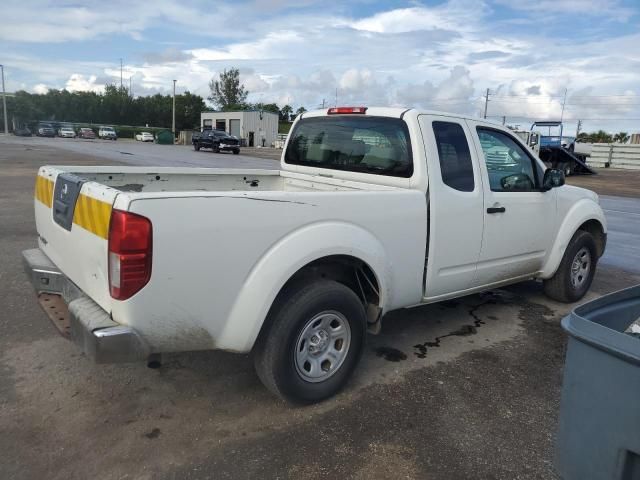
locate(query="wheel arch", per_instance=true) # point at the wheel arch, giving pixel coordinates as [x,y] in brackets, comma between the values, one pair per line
[584,215]
[313,251]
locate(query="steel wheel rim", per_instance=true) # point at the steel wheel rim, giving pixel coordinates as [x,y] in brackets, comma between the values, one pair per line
[322,346]
[580,267]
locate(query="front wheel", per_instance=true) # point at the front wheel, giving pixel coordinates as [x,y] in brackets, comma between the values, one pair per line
[574,275]
[312,342]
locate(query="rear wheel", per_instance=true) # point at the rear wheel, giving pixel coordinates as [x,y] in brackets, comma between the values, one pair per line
[312,342]
[577,268]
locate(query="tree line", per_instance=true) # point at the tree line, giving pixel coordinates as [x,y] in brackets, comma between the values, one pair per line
[603,137]
[113,107]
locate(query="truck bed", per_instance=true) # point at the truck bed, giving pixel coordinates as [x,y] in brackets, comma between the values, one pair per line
[174,180]
[215,252]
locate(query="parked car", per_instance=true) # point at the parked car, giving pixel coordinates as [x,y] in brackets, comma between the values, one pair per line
[217,140]
[144,137]
[45,130]
[22,132]
[86,133]
[372,210]
[107,133]
[66,132]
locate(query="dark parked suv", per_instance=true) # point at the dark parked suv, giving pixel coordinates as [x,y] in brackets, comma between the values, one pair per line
[216,140]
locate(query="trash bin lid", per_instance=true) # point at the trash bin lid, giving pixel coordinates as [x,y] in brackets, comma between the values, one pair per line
[602,323]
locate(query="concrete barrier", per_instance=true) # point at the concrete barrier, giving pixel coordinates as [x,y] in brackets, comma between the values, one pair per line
[615,155]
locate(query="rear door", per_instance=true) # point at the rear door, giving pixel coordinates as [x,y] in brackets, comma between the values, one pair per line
[72,220]
[519,217]
[455,206]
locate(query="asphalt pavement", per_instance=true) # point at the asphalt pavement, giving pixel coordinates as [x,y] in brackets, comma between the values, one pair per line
[461,389]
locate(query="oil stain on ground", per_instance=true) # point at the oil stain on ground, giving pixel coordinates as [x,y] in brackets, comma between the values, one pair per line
[390,354]
[489,298]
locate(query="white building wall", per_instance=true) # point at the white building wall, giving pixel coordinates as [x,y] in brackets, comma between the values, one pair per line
[265,127]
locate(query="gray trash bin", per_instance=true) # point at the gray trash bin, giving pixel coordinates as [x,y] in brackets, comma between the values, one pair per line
[599,427]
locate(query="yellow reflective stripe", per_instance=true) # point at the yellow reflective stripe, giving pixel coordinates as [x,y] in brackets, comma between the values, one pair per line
[44,191]
[92,215]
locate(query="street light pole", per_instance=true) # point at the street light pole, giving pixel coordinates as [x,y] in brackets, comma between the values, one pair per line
[173,122]
[4,103]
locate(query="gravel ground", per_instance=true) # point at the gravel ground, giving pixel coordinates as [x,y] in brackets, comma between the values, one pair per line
[482,404]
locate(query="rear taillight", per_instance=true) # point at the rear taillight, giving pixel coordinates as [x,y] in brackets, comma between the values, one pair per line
[130,241]
[346,110]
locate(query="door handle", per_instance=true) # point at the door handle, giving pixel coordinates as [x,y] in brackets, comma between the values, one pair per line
[496,210]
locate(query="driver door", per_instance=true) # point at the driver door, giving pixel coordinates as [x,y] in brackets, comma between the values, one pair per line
[519,218]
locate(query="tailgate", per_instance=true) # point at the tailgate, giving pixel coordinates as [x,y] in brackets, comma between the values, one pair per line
[72,220]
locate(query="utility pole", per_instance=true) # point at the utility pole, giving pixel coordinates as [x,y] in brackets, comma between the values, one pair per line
[578,129]
[564,100]
[486,103]
[4,103]
[173,122]
[323,103]
[504,120]
[336,97]
[130,89]
[120,74]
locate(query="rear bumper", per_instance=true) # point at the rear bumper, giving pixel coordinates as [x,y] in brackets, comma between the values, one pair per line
[79,318]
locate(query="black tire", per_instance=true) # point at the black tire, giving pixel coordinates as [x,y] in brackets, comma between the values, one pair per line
[236,151]
[275,349]
[560,287]
[196,147]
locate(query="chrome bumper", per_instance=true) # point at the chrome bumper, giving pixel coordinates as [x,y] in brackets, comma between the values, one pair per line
[79,318]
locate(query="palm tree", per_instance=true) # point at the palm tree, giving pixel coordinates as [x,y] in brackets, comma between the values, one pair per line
[621,137]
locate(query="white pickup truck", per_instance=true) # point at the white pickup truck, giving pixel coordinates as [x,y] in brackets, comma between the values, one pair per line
[373,210]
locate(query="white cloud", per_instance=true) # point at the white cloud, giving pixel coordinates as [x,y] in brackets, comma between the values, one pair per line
[299,51]
[40,88]
[80,83]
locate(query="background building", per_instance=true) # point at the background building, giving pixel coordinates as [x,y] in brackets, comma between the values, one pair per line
[256,128]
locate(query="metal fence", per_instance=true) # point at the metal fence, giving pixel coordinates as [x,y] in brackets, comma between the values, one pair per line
[615,155]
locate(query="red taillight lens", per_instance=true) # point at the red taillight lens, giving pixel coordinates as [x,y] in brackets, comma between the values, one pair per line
[130,252]
[343,110]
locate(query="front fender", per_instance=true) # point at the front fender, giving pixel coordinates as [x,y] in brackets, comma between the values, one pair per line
[582,211]
[283,260]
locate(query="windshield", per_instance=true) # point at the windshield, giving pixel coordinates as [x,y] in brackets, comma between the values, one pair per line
[378,145]
[107,129]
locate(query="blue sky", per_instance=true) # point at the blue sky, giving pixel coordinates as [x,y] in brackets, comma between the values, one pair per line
[432,54]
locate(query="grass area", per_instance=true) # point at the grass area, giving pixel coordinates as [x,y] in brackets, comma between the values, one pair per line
[284,127]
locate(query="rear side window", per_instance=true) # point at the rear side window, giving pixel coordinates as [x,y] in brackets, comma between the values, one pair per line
[455,159]
[377,145]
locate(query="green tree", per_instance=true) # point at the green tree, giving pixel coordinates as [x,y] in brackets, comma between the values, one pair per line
[227,93]
[300,111]
[621,137]
[285,113]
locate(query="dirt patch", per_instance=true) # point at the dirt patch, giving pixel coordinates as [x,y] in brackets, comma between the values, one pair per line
[609,181]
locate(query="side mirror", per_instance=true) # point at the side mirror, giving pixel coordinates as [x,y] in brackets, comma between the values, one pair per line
[552,178]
